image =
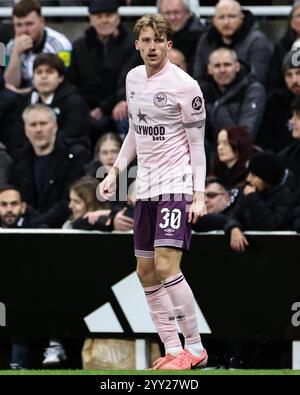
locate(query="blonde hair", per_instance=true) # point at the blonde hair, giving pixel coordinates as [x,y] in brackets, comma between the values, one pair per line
[157,22]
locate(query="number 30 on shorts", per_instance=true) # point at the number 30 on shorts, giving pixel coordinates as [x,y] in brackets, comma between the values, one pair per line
[171,218]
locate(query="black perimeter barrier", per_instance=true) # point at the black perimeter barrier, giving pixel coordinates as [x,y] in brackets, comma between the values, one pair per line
[60,277]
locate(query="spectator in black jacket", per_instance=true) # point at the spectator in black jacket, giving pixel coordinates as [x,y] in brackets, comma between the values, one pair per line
[235,29]
[232,94]
[187,29]
[51,89]
[14,211]
[266,203]
[275,129]
[99,66]
[44,169]
[219,203]
[282,47]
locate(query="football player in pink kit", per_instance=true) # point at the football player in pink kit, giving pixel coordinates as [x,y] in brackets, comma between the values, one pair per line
[166,133]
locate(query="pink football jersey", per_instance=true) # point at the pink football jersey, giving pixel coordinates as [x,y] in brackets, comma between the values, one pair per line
[162,108]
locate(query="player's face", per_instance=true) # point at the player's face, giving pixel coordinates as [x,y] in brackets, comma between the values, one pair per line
[216,198]
[46,79]
[11,207]
[295,124]
[153,49]
[225,152]
[256,182]
[228,18]
[175,13]
[223,68]
[105,23]
[108,152]
[292,80]
[40,129]
[31,24]
[77,206]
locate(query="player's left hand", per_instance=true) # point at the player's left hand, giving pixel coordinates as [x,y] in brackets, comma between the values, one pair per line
[197,208]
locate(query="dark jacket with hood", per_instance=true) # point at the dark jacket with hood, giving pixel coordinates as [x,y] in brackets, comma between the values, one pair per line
[250,44]
[291,158]
[28,220]
[186,40]
[72,120]
[72,116]
[231,177]
[281,48]
[241,104]
[275,130]
[96,68]
[52,202]
[268,210]
[216,221]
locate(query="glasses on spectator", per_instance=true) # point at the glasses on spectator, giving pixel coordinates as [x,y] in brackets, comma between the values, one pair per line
[212,195]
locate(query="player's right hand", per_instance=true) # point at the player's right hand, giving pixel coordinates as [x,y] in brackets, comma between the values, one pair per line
[108,186]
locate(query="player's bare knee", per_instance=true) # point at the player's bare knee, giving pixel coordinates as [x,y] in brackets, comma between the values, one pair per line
[146,272]
[163,267]
[167,262]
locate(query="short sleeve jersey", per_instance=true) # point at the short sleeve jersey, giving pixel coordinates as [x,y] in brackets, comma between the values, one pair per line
[54,42]
[162,109]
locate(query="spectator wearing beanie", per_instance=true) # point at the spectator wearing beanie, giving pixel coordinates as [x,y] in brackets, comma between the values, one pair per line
[266,203]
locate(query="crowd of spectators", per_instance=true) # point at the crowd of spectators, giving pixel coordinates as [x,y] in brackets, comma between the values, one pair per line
[63,115]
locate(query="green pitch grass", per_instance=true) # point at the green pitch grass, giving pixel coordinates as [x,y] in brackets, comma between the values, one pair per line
[143,372]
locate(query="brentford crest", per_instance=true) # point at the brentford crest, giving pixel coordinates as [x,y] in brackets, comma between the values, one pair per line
[160,99]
